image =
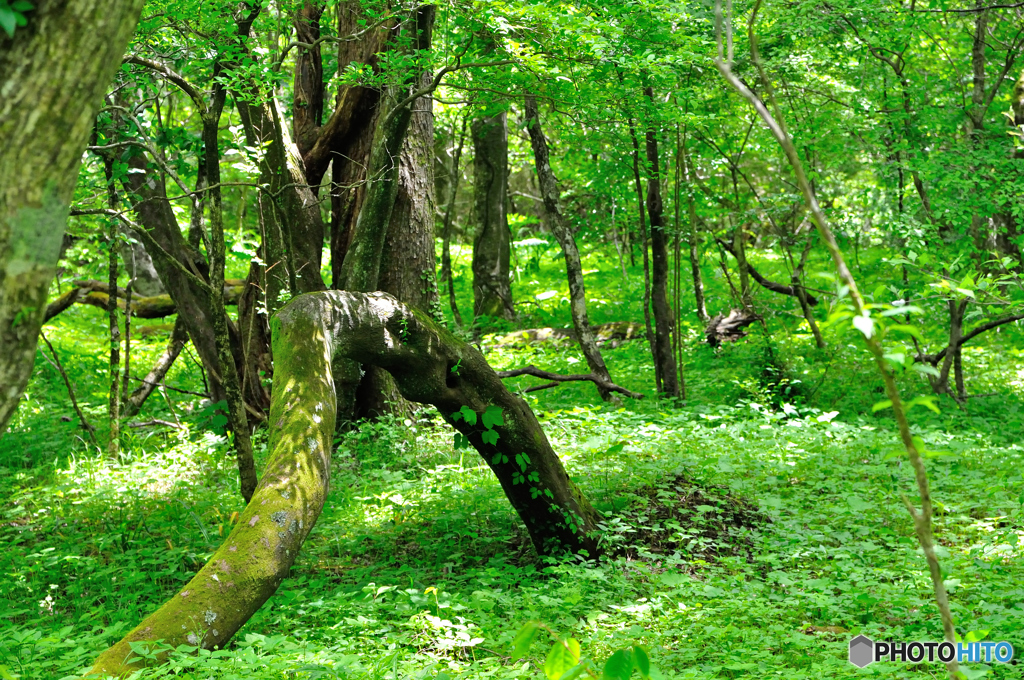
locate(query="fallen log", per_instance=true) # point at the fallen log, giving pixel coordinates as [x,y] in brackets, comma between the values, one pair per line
[97,294]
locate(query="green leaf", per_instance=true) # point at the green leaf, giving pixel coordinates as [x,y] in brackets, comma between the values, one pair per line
[5,673]
[641,661]
[461,441]
[563,656]
[909,330]
[468,414]
[619,666]
[493,417]
[865,325]
[857,504]
[574,672]
[489,437]
[524,638]
[881,405]
[8,20]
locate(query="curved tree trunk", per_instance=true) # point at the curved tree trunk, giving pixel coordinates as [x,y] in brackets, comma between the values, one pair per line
[430,366]
[50,96]
[563,232]
[492,290]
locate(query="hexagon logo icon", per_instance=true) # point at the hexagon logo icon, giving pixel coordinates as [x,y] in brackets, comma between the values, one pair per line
[862,651]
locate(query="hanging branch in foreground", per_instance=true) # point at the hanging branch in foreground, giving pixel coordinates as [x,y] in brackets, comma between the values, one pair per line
[603,384]
[862,319]
[770,285]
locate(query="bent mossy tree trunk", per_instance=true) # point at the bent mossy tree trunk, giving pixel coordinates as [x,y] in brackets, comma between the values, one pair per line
[429,366]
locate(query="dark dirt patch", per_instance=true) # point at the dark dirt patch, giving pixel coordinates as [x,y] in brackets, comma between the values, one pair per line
[679,515]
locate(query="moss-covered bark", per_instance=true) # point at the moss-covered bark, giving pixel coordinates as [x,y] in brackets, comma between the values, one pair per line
[430,366]
[49,95]
[250,565]
[492,290]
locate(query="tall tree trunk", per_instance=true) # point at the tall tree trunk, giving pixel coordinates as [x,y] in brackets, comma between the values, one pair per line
[492,291]
[374,329]
[237,418]
[663,318]
[408,260]
[694,240]
[563,232]
[449,216]
[114,397]
[642,214]
[940,384]
[51,92]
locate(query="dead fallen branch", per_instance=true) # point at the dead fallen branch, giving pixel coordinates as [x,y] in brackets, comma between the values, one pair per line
[723,328]
[557,378]
[97,294]
[611,334]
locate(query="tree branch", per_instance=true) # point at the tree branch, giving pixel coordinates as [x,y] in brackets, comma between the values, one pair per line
[559,378]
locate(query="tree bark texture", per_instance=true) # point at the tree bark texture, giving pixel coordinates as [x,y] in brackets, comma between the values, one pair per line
[563,232]
[408,260]
[310,332]
[49,94]
[492,290]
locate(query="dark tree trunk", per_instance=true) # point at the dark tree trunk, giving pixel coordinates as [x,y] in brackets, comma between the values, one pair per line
[952,358]
[663,318]
[492,291]
[54,72]
[563,232]
[694,242]
[378,330]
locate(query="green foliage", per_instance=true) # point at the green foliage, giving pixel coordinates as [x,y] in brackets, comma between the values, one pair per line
[12,15]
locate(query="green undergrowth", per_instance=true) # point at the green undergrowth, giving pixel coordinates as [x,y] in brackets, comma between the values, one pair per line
[749,530]
[745,541]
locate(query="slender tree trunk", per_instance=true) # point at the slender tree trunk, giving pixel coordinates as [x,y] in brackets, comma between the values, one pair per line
[51,92]
[374,329]
[663,321]
[134,402]
[449,215]
[114,397]
[940,385]
[642,213]
[226,366]
[563,232]
[694,242]
[492,291]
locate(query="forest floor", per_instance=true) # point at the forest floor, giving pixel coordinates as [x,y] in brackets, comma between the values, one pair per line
[751,531]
